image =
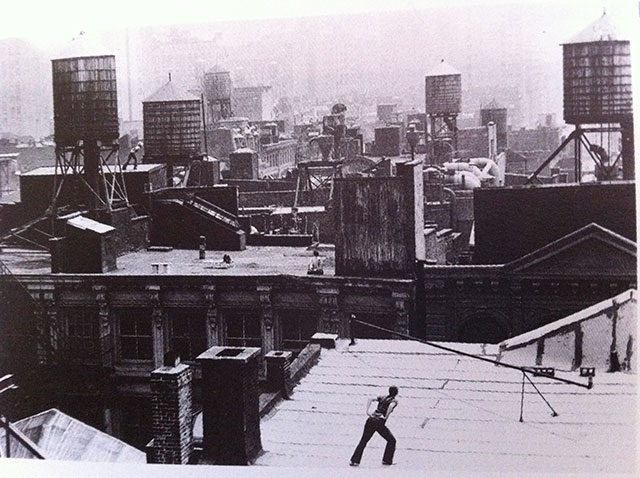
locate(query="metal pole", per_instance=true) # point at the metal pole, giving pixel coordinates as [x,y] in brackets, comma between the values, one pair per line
[204,124]
[553,412]
[577,150]
[92,171]
[522,398]
[477,357]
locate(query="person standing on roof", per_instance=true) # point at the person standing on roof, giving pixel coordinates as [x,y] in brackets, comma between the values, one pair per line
[133,156]
[377,423]
[315,266]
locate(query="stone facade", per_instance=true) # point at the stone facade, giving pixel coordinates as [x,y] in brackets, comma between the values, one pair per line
[139,318]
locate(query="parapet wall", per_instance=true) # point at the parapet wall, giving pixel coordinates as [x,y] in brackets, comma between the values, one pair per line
[601,336]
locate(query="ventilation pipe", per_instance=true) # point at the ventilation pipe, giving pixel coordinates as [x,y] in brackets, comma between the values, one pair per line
[489,167]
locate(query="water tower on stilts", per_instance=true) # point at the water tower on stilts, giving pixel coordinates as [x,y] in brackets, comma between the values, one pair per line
[172,122]
[85,112]
[598,102]
[443,98]
[217,94]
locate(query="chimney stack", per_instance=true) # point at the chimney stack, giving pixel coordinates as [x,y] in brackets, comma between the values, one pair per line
[230,405]
[171,404]
[279,372]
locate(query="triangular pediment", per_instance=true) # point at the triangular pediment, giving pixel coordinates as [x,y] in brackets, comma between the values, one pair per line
[591,250]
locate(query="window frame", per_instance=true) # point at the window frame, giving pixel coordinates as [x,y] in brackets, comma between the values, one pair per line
[90,317]
[299,317]
[244,340]
[179,314]
[119,317]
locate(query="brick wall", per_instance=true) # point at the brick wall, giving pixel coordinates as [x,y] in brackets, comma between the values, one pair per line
[171,405]
[230,405]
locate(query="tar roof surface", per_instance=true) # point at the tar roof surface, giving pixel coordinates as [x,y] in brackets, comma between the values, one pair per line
[455,415]
[255,260]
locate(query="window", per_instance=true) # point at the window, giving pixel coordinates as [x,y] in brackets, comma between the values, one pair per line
[136,341]
[188,332]
[82,333]
[297,328]
[244,328]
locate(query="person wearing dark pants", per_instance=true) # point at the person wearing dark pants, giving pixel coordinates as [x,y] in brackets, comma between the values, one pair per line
[377,423]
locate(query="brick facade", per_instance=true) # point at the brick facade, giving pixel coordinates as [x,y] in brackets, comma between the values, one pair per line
[231,409]
[279,372]
[171,404]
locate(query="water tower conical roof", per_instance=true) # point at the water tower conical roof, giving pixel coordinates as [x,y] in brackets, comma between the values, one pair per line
[443,69]
[170,92]
[81,46]
[601,30]
[217,69]
[493,105]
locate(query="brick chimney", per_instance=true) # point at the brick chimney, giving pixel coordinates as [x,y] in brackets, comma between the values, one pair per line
[279,372]
[230,405]
[171,404]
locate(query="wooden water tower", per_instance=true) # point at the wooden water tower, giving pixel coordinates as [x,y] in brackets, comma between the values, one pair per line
[172,124]
[85,114]
[443,98]
[496,113]
[217,93]
[598,101]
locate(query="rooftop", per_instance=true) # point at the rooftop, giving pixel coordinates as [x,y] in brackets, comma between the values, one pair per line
[255,260]
[61,437]
[50,170]
[455,415]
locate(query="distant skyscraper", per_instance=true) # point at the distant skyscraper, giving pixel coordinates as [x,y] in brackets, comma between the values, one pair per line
[25,90]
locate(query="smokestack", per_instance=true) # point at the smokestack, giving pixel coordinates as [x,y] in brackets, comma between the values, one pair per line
[171,404]
[230,405]
[279,372]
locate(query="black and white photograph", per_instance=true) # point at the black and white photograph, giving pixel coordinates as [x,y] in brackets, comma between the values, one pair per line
[318,239]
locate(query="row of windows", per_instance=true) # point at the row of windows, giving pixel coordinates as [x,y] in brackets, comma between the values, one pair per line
[187,331]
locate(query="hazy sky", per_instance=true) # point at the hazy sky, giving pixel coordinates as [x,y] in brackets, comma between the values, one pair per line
[44,21]
[374,47]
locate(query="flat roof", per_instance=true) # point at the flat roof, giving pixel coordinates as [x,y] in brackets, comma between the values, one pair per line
[255,260]
[455,415]
[50,170]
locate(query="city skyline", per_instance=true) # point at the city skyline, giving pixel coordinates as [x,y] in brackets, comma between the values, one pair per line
[363,57]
